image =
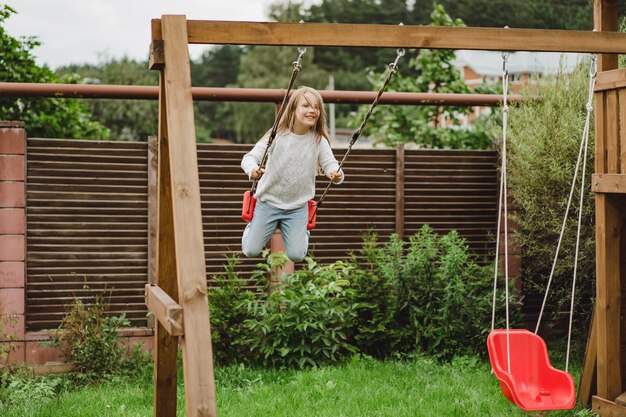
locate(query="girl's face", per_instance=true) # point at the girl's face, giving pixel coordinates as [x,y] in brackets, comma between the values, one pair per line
[307,113]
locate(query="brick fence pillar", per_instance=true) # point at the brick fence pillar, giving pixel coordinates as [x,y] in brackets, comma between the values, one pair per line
[12,239]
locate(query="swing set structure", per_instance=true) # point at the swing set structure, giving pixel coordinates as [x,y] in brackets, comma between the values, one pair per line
[178,298]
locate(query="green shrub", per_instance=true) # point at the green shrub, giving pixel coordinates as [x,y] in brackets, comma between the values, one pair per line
[431,297]
[19,388]
[305,319]
[89,339]
[7,340]
[227,304]
[544,137]
[376,293]
[449,295]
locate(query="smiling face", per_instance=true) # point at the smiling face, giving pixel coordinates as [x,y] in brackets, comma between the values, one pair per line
[307,113]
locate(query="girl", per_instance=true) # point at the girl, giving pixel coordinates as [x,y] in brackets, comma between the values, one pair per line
[288,182]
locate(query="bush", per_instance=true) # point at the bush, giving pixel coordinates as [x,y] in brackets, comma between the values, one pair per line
[376,283]
[20,387]
[89,339]
[305,320]
[443,297]
[7,340]
[543,147]
[228,306]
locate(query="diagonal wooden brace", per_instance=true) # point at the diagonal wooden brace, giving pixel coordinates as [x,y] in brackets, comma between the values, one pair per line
[165,309]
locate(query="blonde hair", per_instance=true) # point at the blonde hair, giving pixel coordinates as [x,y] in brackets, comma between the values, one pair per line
[287,119]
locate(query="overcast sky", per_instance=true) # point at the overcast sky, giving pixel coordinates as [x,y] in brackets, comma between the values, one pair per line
[81,31]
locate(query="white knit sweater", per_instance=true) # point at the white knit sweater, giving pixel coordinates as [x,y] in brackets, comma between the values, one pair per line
[289,179]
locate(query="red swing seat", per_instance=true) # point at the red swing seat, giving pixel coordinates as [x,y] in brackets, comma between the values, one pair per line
[249,203]
[533,384]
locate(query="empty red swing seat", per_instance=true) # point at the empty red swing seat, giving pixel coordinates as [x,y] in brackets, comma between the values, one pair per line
[533,384]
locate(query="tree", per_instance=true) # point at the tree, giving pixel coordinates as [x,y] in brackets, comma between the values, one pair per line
[350,65]
[538,14]
[270,67]
[44,117]
[217,67]
[126,119]
[543,143]
[422,124]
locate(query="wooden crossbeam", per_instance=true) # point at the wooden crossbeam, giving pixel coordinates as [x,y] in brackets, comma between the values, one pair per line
[607,408]
[608,183]
[611,80]
[395,36]
[165,310]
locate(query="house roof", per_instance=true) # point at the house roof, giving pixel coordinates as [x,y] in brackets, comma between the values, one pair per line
[489,63]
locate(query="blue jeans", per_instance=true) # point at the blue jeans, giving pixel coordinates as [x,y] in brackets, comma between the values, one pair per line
[265,221]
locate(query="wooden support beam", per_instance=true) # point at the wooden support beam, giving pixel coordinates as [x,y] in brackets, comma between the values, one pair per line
[605,14]
[608,319]
[200,400]
[608,183]
[606,408]
[588,378]
[621,400]
[165,310]
[166,345]
[157,60]
[395,36]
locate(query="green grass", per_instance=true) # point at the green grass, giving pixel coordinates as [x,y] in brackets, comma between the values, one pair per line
[364,388]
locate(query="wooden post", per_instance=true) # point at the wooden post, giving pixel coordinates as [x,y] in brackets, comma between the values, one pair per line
[187,221]
[608,303]
[153,201]
[400,190]
[165,345]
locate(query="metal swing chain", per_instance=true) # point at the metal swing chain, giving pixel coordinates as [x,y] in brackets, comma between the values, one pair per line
[297,66]
[582,157]
[393,68]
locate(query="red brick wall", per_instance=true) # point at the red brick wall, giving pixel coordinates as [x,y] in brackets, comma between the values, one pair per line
[12,237]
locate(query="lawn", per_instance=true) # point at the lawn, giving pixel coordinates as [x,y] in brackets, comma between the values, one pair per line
[361,388]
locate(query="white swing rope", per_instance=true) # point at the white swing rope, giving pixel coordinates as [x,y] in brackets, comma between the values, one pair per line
[582,157]
[502,202]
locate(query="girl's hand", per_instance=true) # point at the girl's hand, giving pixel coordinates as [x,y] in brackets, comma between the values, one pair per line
[257,173]
[335,177]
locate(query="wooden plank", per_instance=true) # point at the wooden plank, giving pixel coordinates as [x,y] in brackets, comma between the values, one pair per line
[165,309]
[394,36]
[600,128]
[200,397]
[153,201]
[166,346]
[621,400]
[157,59]
[609,381]
[622,129]
[608,183]
[612,132]
[588,378]
[610,80]
[153,220]
[606,408]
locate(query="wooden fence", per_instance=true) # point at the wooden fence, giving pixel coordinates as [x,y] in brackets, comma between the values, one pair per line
[88,213]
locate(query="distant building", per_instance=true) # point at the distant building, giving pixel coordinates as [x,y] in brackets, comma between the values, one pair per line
[479,66]
[486,66]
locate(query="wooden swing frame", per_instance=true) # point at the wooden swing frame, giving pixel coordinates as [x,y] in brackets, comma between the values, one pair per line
[178,298]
